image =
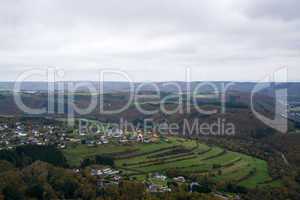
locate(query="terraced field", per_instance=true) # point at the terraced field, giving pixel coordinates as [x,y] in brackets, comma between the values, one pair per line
[188,156]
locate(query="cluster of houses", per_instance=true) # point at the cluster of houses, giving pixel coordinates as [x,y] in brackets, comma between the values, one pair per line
[18,133]
[104,172]
[156,188]
[106,176]
[122,137]
[21,133]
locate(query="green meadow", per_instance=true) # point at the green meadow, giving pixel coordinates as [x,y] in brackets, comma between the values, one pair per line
[189,156]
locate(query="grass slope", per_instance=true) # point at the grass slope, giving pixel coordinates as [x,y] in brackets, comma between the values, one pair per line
[182,154]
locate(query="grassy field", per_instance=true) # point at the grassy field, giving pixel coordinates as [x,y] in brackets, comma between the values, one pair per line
[187,156]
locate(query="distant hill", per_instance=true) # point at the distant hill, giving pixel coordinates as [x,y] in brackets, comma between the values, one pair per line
[115,86]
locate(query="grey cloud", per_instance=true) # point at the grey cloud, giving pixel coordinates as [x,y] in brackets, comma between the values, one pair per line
[274,9]
[141,34]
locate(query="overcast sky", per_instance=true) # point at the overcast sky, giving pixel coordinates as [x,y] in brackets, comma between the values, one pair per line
[236,40]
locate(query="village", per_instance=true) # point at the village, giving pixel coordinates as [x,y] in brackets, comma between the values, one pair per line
[58,134]
[41,133]
[13,134]
[20,133]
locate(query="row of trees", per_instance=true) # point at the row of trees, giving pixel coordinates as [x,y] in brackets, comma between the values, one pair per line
[25,155]
[44,181]
[99,160]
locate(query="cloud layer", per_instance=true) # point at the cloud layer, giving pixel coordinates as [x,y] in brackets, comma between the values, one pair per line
[151,40]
